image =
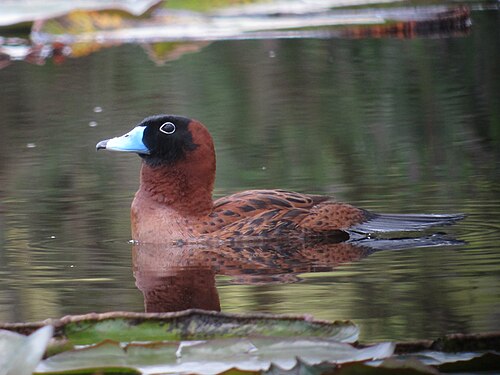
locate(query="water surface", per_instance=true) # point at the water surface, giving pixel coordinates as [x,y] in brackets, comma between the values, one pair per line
[386,124]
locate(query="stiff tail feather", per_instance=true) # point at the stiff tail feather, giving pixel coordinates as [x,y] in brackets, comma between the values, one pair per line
[434,240]
[385,223]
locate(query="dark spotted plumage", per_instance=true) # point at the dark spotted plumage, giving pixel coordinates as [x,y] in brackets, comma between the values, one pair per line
[275,214]
[174,200]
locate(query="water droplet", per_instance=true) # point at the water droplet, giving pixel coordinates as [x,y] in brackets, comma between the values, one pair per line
[97,109]
[30,145]
[93,124]
[272,54]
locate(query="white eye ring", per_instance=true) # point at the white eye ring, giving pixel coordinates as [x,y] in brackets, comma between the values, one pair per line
[170,128]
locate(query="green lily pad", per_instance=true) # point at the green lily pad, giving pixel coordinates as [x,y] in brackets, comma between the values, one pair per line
[188,325]
[207,342]
[213,356]
[197,325]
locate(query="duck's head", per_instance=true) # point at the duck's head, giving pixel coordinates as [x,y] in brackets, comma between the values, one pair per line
[164,140]
[178,157]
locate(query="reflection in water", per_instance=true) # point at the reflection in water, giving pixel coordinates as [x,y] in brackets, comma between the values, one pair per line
[175,288]
[167,35]
[175,278]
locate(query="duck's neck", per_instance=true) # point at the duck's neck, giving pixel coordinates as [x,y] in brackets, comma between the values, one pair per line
[178,187]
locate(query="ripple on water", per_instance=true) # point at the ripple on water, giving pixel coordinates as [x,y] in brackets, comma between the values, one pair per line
[480,230]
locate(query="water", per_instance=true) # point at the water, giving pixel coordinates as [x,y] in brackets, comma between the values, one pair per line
[388,125]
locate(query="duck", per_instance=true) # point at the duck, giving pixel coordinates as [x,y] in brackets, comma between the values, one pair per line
[174,201]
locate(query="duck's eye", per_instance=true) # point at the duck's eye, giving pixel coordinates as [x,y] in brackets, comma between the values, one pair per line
[167,128]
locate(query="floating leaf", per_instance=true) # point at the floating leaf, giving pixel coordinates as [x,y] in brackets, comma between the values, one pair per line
[188,325]
[207,342]
[254,354]
[108,355]
[79,28]
[197,325]
[114,26]
[12,12]
[214,356]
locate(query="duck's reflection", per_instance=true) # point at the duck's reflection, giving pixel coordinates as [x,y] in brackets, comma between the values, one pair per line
[174,278]
[177,288]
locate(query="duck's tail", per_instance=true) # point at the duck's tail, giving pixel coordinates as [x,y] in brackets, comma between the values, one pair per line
[385,223]
[378,244]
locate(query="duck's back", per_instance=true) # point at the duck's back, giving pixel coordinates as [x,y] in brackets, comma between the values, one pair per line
[252,202]
[264,214]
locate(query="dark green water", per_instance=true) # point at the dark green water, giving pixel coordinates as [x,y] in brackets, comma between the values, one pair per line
[388,125]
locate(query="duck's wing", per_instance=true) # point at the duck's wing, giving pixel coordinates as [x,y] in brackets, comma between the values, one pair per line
[251,203]
[251,200]
[275,224]
[275,214]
